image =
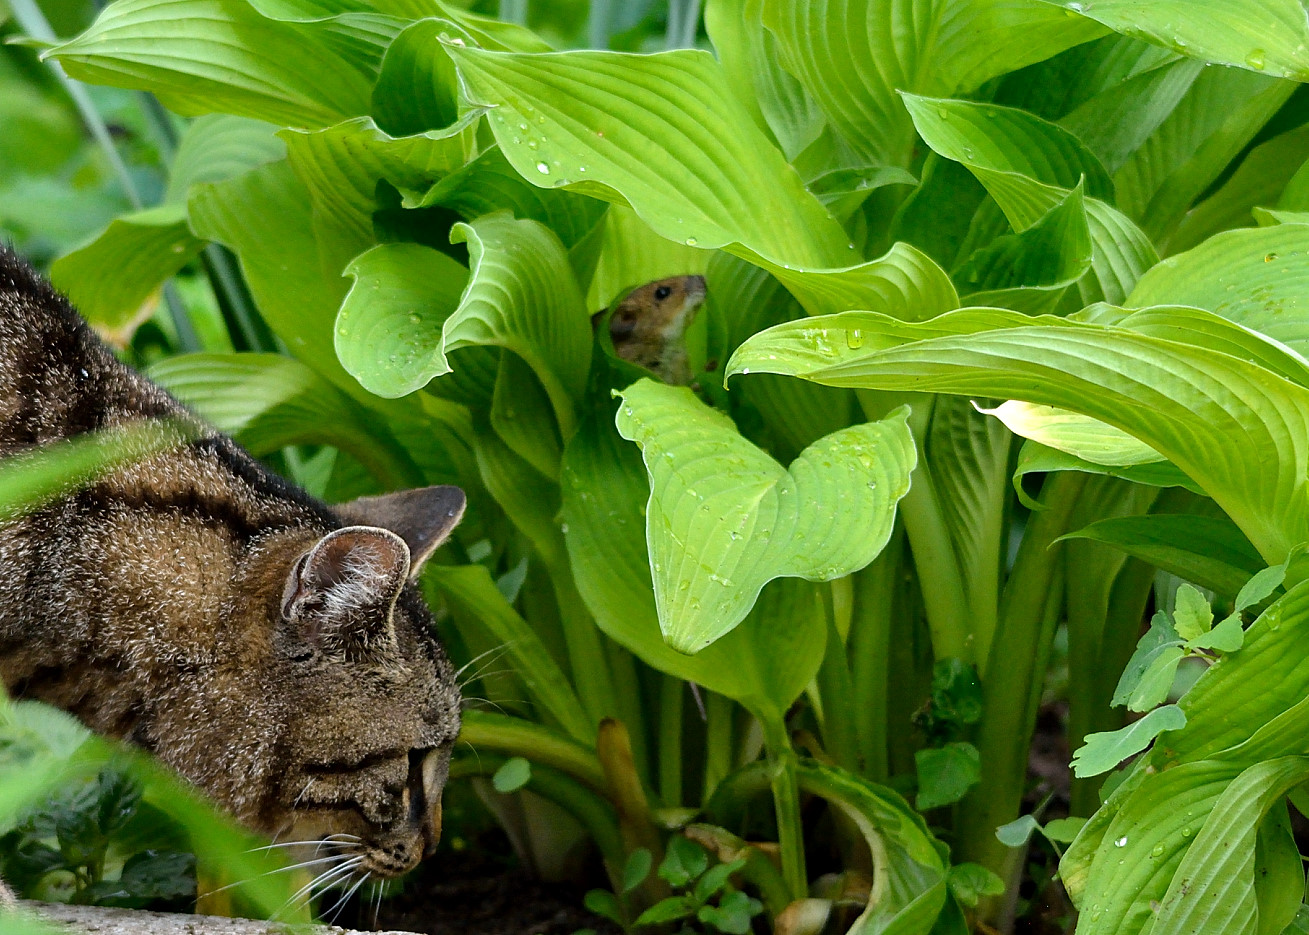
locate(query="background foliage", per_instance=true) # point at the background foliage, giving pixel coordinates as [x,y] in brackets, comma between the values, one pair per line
[1039,269]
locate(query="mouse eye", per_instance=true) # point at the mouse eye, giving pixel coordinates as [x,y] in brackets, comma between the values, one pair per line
[663,292]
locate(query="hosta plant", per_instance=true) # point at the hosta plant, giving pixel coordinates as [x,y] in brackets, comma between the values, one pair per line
[1010,299]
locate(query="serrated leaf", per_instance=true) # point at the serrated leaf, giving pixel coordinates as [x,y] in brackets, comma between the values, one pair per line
[724,518]
[1192,615]
[945,774]
[1103,751]
[1226,637]
[1157,679]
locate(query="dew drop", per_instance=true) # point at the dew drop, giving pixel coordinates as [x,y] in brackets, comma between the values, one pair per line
[542,168]
[691,241]
[1157,851]
[1269,257]
[531,144]
[944,114]
[522,126]
[1255,59]
[1187,832]
[745,370]
[1121,842]
[415,318]
[683,584]
[854,338]
[342,331]
[563,527]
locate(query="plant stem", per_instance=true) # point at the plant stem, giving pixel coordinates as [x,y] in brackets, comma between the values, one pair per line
[245,327]
[718,740]
[869,652]
[672,694]
[683,24]
[514,11]
[836,691]
[1007,685]
[782,763]
[516,737]
[599,23]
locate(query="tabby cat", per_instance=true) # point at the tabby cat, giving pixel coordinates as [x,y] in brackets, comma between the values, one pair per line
[273,650]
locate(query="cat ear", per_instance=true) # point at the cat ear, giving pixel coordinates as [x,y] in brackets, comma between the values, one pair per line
[423,518]
[340,593]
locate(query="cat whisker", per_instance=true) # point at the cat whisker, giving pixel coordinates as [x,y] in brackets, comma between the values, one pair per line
[329,841]
[335,911]
[303,865]
[322,882]
[465,704]
[502,648]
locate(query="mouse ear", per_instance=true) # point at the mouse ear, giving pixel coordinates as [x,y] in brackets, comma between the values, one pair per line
[423,518]
[339,594]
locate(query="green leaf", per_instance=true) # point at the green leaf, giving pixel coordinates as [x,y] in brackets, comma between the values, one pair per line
[1103,751]
[636,127]
[724,518]
[1192,615]
[1210,551]
[1227,637]
[1157,679]
[945,774]
[631,254]
[970,882]
[202,56]
[905,856]
[1029,271]
[1188,403]
[1063,830]
[1258,180]
[512,776]
[667,910]
[1026,168]
[1263,35]
[1080,436]
[264,216]
[733,913]
[636,869]
[712,883]
[854,58]
[471,587]
[113,277]
[218,147]
[1158,638]
[1017,832]
[1255,277]
[683,862]
[761,664]
[604,903]
[1260,587]
[1222,111]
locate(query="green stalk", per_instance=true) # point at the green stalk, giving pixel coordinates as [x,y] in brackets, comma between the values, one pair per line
[598,24]
[671,696]
[683,24]
[587,659]
[718,740]
[631,709]
[484,730]
[870,654]
[836,691]
[1008,683]
[782,763]
[245,327]
[514,11]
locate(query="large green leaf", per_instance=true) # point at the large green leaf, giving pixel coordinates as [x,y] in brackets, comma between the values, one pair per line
[1208,550]
[114,276]
[202,56]
[1262,35]
[267,402]
[724,518]
[217,147]
[1025,166]
[765,663]
[1222,110]
[854,58]
[1237,429]
[265,217]
[400,320]
[663,132]
[1257,277]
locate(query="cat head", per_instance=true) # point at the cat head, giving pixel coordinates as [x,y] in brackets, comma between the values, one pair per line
[372,702]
